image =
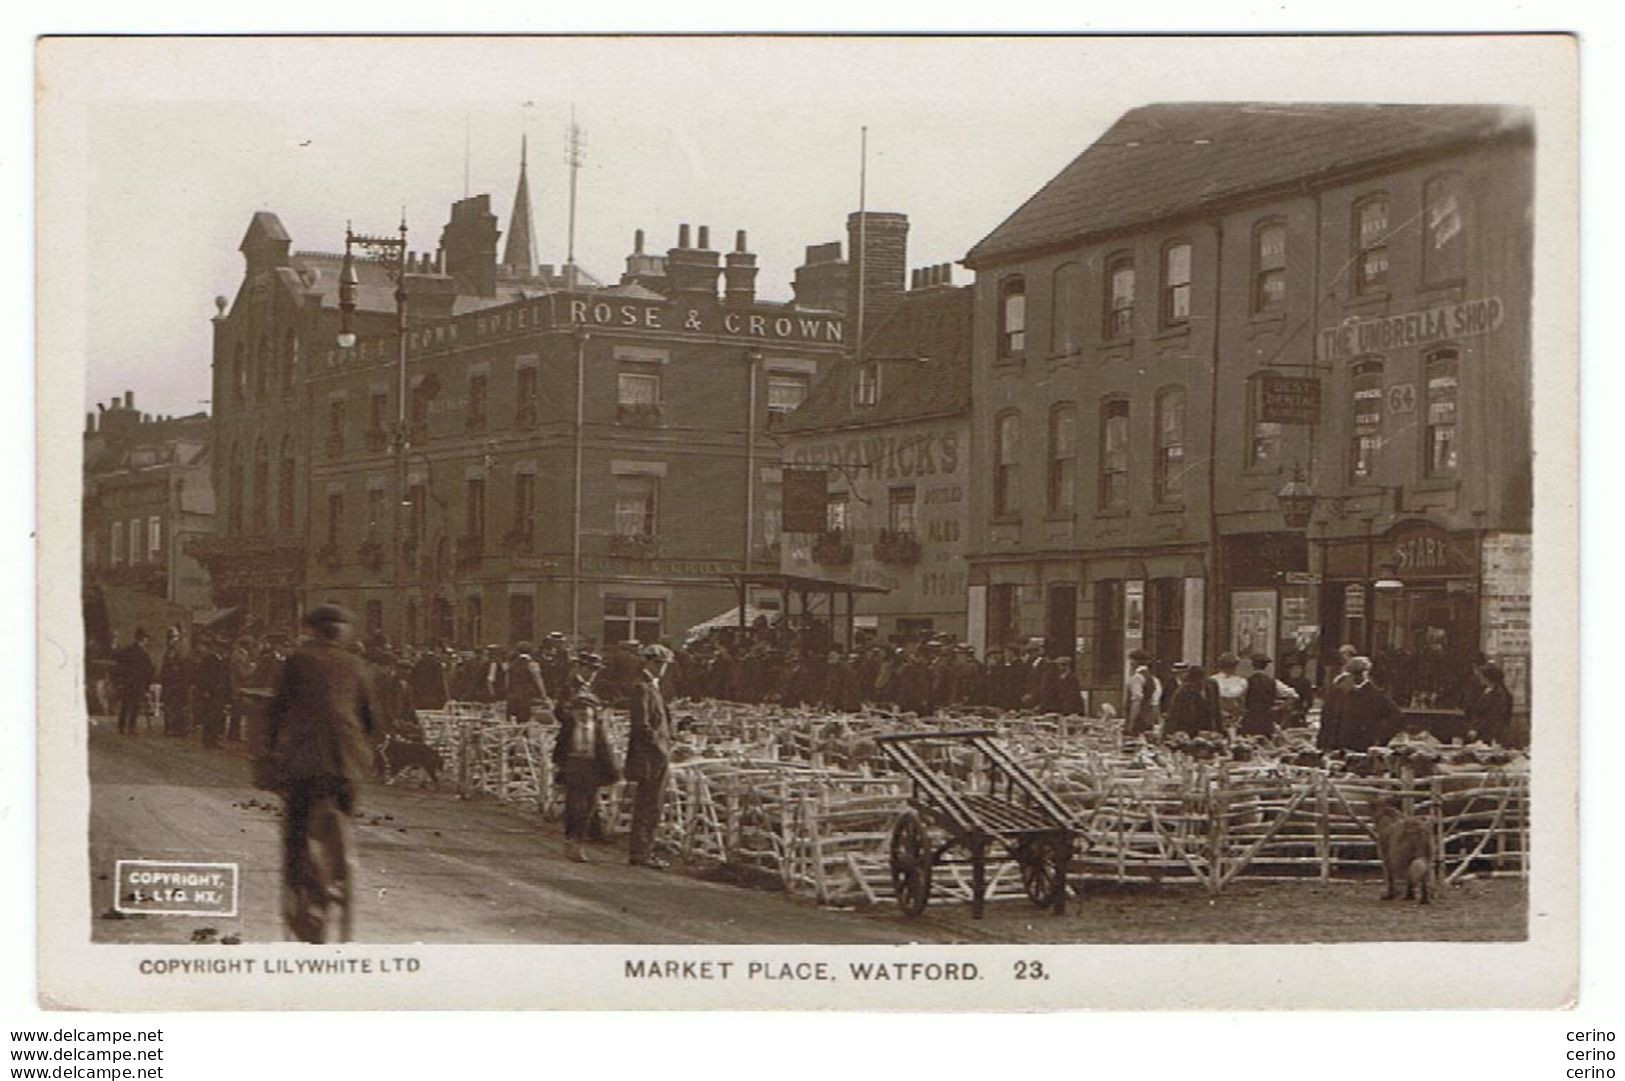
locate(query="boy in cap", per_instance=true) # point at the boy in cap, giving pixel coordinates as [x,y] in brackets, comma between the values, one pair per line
[582,754]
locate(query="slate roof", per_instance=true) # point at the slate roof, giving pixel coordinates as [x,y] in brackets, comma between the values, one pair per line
[931,323]
[1165,159]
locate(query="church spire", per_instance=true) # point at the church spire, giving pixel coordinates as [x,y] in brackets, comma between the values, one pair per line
[519,257]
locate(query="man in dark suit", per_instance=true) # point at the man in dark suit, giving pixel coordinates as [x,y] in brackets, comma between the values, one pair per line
[1369,715]
[648,754]
[212,692]
[132,676]
[318,748]
[175,679]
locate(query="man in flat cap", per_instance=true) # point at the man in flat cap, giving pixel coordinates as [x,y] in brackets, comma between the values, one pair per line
[317,749]
[648,754]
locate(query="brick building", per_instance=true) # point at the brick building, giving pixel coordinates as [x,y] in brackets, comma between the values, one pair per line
[577,456]
[147,493]
[1219,312]
[890,429]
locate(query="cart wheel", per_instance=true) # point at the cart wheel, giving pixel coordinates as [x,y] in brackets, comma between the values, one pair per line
[910,864]
[1041,871]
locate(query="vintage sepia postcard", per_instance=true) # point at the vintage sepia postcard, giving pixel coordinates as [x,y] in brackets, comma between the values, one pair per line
[807,522]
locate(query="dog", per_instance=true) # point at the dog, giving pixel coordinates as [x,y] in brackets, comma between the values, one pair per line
[396,755]
[1405,844]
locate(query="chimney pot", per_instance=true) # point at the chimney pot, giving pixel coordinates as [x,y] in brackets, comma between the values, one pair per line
[637,242]
[682,235]
[739,241]
[705,238]
[129,399]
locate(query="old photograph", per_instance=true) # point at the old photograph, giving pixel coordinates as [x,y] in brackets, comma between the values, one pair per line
[788,492]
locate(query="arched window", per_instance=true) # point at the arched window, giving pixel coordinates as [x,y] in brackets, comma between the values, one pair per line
[1114,454]
[1371,244]
[1443,243]
[239,374]
[262,368]
[1007,465]
[1176,284]
[1012,316]
[1066,309]
[1062,475]
[262,486]
[1441,370]
[1366,389]
[1119,321]
[1169,474]
[234,492]
[1269,266]
[290,363]
[286,472]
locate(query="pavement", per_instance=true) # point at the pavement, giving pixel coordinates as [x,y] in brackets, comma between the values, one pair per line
[430,867]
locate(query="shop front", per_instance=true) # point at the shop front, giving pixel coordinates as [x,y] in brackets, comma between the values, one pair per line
[1409,599]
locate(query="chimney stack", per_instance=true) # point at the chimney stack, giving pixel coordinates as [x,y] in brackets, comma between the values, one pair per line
[884,237]
[648,271]
[693,271]
[129,399]
[740,273]
[468,244]
[820,280]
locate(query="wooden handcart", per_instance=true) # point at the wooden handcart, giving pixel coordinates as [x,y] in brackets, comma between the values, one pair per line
[1016,813]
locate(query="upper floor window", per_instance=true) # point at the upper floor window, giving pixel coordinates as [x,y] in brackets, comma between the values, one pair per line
[1169,478]
[1366,391]
[262,367]
[285,481]
[524,503]
[636,505]
[375,512]
[900,506]
[1114,454]
[1371,244]
[476,402]
[1441,370]
[1012,316]
[335,517]
[335,426]
[377,411]
[115,545]
[1120,296]
[835,512]
[1062,479]
[1263,436]
[866,384]
[637,396]
[1066,309]
[417,517]
[785,392]
[474,507]
[1176,284]
[1269,267]
[1007,465]
[1443,245]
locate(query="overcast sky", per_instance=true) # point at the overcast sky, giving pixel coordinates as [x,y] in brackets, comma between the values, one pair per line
[186,139]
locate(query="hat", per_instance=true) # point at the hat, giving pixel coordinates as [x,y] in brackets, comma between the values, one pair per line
[1260,660]
[324,614]
[523,647]
[654,651]
[1493,672]
[588,659]
[1139,656]
[1359,664]
[555,636]
[493,649]
[1228,659]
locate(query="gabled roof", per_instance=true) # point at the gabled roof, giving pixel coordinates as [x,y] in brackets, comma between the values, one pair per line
[1158,161]
[924,352]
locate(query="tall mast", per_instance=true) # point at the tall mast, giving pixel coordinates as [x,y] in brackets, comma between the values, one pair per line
[575,145]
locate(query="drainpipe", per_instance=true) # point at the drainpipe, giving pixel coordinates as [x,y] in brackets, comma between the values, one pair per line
[752,360]
[1211,617]
[581,338]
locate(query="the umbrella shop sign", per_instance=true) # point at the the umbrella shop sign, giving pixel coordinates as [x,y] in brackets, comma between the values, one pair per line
[1443,322]
[769,326]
